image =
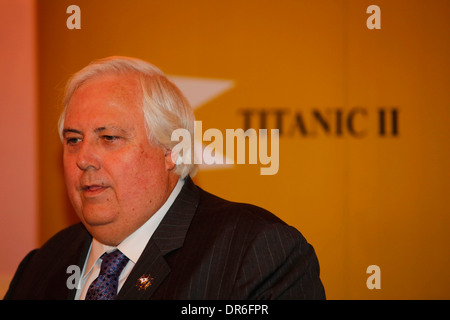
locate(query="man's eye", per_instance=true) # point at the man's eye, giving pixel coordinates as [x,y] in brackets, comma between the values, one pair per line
[72,141]
[110,138]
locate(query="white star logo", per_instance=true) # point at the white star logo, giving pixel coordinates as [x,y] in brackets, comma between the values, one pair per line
[200,91]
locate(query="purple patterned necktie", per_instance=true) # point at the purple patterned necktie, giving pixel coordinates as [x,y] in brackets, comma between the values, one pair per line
[105,286]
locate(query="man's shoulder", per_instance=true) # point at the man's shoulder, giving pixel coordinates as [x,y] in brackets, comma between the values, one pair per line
[216,207]
[64,240]
[60,247]
[71,233]
[48,262]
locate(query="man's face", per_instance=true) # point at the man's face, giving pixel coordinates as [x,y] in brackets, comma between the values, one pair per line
[116,178]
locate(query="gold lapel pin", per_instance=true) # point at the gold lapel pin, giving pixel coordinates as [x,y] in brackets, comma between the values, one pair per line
[144,282]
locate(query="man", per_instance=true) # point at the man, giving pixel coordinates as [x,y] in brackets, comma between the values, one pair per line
[146,231]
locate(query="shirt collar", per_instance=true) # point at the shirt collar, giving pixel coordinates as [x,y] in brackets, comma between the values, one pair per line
[135,243]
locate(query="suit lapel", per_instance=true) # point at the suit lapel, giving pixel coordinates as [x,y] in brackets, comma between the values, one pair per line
[55,276]
[78,258]
[152,268]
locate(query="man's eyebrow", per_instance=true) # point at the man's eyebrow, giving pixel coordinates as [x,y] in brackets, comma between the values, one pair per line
[71,130]
[100,129]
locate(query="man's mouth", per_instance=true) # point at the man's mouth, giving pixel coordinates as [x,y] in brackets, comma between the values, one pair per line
[94,189]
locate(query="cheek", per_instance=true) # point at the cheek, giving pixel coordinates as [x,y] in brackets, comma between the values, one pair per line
[140,173]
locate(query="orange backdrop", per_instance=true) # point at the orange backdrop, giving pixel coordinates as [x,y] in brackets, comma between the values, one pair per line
[18,155]
[363,115]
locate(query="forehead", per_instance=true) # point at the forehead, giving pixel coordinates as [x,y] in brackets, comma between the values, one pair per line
[106,98]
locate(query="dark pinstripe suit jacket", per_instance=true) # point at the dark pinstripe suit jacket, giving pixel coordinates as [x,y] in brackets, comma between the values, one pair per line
[205,248]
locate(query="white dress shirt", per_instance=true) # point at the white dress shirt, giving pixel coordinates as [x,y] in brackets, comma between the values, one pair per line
[132,247]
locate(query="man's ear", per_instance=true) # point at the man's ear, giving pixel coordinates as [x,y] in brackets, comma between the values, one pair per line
[170,159]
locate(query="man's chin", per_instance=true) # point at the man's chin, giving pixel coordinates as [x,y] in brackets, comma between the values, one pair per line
[106,234]
[97,218]
[93,223]
[103,228]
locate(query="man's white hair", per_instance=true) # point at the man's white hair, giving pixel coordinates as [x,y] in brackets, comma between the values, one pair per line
[165,107]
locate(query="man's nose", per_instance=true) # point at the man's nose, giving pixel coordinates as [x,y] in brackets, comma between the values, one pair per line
[88,157]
